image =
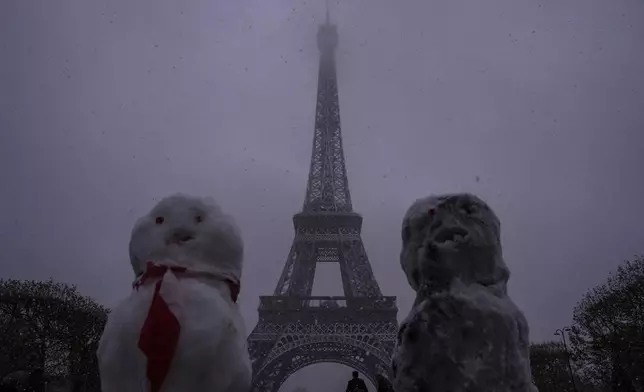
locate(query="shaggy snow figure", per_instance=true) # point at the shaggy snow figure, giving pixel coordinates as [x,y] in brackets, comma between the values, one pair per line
[180,329]
[463,333]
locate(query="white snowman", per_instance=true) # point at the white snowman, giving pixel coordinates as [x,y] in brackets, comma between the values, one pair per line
[180,330]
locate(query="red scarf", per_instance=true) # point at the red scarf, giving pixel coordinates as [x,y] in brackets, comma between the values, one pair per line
[160,332]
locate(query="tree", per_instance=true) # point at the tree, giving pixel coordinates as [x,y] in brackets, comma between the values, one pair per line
[85,321]
[607,336]
[49,326]
[550,372]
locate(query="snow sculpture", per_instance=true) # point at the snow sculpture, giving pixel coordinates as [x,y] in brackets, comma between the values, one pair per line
[180,330]
[463,332]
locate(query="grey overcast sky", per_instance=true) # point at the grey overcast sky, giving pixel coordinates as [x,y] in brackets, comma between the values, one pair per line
[536,106]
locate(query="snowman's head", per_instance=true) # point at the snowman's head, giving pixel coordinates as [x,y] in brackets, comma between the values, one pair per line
[189,232]
[453,236]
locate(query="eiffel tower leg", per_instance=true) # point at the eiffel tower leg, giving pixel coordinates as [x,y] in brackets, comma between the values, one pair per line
[259,350]
[357,269]
[304,270]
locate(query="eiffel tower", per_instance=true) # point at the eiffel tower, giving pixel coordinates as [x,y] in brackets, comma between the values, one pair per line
[296,329]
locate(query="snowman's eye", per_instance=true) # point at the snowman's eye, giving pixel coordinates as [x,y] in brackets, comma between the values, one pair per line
[159,220]
[198,219]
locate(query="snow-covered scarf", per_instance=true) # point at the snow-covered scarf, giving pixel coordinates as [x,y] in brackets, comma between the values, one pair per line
[160,332]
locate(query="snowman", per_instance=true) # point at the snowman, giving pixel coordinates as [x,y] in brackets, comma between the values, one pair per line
[180,329]
[464,332]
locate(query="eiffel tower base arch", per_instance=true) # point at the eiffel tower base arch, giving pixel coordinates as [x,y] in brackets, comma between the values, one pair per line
[345,352]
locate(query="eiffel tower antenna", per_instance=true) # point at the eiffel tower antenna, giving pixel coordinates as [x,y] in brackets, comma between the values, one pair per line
[328,18]
[296,329]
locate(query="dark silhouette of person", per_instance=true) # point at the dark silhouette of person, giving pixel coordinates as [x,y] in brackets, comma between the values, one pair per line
[356,384]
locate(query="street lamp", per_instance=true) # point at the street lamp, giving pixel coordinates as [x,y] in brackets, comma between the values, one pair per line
[562,332]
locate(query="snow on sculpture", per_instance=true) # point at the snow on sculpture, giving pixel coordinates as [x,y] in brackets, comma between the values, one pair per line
[463,332]
[180,330]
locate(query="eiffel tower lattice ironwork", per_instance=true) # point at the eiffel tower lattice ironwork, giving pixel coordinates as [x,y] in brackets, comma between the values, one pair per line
[295,329]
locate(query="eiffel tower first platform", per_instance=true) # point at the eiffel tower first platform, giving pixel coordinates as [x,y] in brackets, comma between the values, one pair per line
[295,329]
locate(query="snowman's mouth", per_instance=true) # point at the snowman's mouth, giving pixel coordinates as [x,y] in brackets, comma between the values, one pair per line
[186,238]
[451,235]
[180,237]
